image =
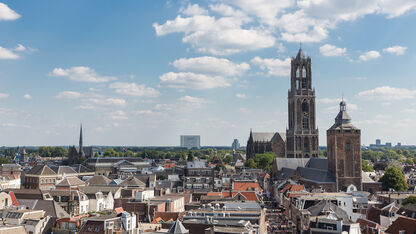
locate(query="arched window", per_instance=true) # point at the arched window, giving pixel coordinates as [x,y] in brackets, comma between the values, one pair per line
[304,72]
[297,72]
[305,121]
[305,106]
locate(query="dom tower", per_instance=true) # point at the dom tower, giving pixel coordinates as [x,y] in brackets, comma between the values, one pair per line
[302,135]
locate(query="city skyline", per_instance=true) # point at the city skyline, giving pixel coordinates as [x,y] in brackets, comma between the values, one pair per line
[144,73]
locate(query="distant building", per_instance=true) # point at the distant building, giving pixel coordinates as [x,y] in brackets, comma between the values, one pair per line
[378,142]
[191,141]
[262,142]
[75,155]
[236,144]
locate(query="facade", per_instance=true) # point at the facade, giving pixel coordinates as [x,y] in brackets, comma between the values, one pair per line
[262,142]
[40,177]
[191,141]
[344,151]
[302,135]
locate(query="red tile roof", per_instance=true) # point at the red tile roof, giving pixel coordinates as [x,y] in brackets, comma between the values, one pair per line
[402,224]
[247,186]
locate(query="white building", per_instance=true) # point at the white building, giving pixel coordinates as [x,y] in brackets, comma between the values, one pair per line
[191,141]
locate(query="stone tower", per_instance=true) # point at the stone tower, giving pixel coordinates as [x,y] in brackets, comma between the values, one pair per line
[344,151]
[302,135]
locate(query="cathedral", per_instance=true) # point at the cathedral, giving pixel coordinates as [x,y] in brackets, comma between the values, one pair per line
[76,155]
[297,150]
[301,138]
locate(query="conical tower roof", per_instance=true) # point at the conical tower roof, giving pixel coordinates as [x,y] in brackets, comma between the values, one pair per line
[178,228]
[300,55]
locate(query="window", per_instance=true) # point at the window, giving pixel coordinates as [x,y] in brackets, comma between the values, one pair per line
[305,106]
[304,72]
[305,121]
[297,72]
[303,83]
[348,146]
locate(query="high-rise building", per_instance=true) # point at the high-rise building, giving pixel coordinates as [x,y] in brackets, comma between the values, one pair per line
[302,135]
[190,141]
[236,144]
[344,151]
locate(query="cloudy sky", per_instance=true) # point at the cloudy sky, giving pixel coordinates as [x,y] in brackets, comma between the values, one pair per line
[144,72]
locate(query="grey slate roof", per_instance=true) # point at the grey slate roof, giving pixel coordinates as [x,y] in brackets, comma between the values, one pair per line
[285,173]
[63,170]
[318,163]
[178,228]
[133,182]
[343,120]
[262,136]
[70,181]
[98,180]
[41,170]
[291,163]
[315,175]
[51,207]
[325,206]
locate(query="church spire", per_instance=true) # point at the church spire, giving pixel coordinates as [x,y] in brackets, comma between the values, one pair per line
[81,150]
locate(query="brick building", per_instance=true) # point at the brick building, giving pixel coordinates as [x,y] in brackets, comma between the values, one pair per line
[344,151]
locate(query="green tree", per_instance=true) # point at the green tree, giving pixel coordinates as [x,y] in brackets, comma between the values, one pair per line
[409,200]
[110,152]
[190,156]
[4,160]
[410,161]
[218,167]
[228,159]
[366,166]
[251,163]
[264,161]
[393,178]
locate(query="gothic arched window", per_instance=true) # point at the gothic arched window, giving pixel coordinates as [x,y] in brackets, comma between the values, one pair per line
[305,121]
[304,72]
[305,106]
[298,72]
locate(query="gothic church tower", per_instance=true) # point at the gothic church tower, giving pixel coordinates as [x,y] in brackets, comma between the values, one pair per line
[302,135]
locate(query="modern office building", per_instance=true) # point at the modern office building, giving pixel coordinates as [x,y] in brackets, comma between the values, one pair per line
[191,141]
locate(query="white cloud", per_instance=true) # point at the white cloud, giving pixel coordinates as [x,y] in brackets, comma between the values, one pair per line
[211,65]
[409,111]
[4,95]
[274,67]
[118,115]
[240,95]
[193,9]
[335,108]
[369,55]
[27,96]
[192,102]
[20,47]
[82,74]
[133,89]
[189,80]
[6,13]
[69,95]
[397,50]
[7,54]
[331,50]
[388,93]
[221,36]
[96,103]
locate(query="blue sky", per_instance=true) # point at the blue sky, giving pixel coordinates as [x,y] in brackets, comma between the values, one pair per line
[144,72]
